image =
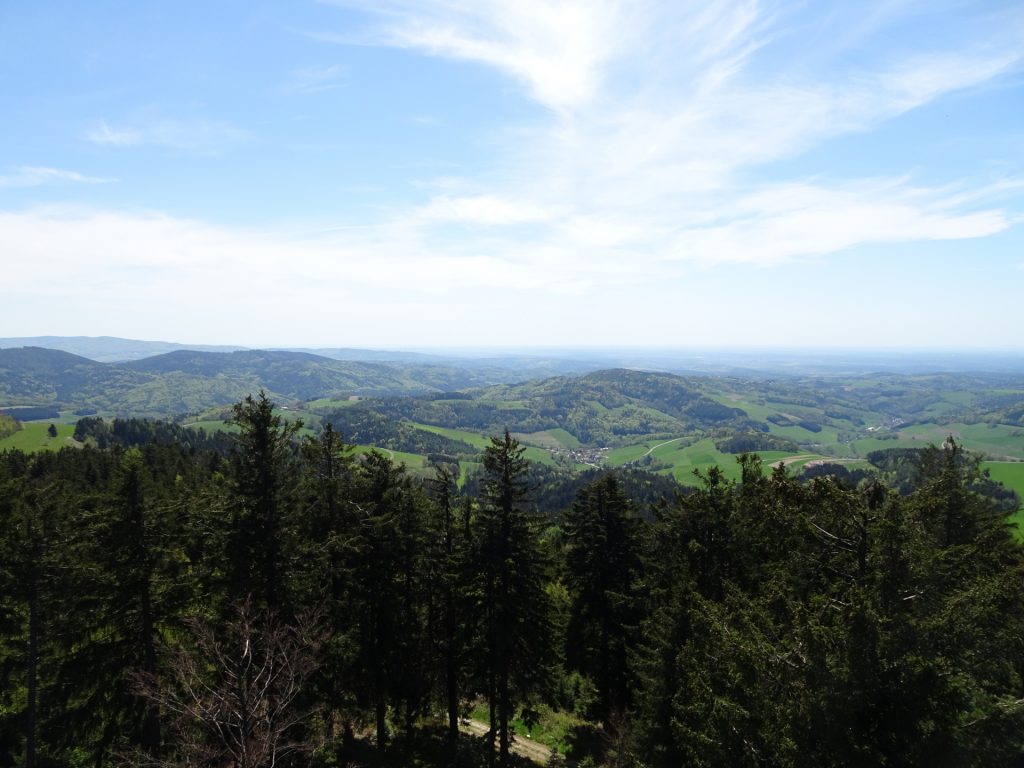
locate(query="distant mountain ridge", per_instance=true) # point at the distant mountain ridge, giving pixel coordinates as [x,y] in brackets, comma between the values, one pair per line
[108,349]
[111,349]
[188,381]
[544,362]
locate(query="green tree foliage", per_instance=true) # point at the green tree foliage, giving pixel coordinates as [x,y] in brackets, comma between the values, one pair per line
[602,563]
[515,610]
[386,599]
[449,611]
[131,574]
[769,621]
[320,555]
[8,425]
[812,624]
[31,586]
[263,473]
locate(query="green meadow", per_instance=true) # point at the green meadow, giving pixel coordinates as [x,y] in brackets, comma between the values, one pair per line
[331,402]
[34,436]
[412,461]
[552,439]
[683,457]
[223,425]
[996,441]
[1009,473]
[476,439]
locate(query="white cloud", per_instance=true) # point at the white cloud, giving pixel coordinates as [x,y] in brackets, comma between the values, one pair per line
[317,79]
[557,48]
[657,156]
[795,221]
[483,209]
[664,114]
[118,137]
[405,283]
[36,176]
[195,135]
[62,249]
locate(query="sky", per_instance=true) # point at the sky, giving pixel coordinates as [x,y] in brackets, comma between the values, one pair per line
[447,173]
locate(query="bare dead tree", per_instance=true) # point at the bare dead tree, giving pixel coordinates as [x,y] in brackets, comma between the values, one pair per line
[233,698]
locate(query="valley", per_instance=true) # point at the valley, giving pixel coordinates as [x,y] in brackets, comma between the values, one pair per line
[419,413]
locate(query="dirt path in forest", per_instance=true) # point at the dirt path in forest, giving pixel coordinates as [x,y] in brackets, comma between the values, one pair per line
[522,746]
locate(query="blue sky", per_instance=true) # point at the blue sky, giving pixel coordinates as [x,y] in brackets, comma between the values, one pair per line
[425,173]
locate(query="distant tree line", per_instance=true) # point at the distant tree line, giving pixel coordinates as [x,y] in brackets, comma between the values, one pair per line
[8,425]
[129,433]
[286,603]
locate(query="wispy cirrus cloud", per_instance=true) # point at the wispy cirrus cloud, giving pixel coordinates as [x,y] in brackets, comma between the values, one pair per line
[316,79]
[801,220]
[484,209]
[195,134]
[557,49]
[37,176]
[660,154]
[102,133]
[665,120]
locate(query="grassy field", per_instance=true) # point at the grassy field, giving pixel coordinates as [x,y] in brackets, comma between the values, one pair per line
[218,425]
[553,439]
[624,455]
[700,456]
[481,441]
[995,440]
[827,435]
[33,437]
[1009,473]
[413,461]
[565,438]
[476,439]
[683,458]
[538,455]
[330,402]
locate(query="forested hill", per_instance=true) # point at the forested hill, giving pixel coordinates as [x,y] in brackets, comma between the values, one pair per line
[188,381]
[413,407]
[598,408]
[616,407]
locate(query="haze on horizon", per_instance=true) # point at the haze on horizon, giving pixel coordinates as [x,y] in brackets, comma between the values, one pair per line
[438,174]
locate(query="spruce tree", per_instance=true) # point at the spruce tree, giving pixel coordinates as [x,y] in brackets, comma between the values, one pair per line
[516,611]
[602,561]
[262,463]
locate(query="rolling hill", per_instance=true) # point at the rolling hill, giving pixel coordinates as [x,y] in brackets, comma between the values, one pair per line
[187,381]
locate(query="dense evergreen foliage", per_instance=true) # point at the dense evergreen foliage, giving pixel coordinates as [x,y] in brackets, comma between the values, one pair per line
[162,601]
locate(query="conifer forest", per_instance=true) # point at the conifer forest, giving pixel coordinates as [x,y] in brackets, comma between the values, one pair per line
[276,599]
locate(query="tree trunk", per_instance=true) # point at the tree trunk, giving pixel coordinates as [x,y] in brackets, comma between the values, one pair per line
[382,724]
[33,653]
[492,716]
[452,693]
[503,707]
[151,724]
